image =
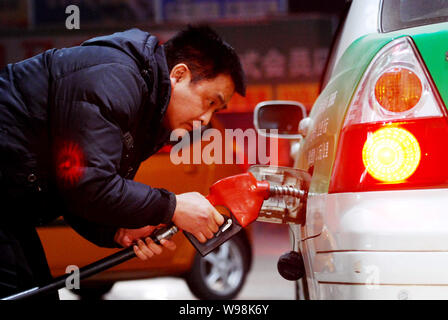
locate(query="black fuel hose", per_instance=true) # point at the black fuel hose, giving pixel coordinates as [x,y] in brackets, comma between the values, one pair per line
[93,268]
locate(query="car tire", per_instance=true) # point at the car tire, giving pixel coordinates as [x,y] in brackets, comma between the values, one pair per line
[221,274]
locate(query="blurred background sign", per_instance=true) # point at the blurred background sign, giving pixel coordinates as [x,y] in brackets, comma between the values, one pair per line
[283,58]
[14,13]
[97,13]
[199,10]
[283,44]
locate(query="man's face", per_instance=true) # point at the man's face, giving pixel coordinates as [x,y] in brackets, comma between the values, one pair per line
[195,101]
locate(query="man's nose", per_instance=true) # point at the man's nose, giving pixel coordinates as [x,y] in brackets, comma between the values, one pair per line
[206,117]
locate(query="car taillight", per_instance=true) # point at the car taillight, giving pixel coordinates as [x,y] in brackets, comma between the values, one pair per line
[398,90]
[391,154]
[395,129]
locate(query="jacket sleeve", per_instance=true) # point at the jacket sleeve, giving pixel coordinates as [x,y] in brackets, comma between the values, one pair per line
[94,190]
[100,235]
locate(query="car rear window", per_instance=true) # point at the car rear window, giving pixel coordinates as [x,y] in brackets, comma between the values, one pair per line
[401,14]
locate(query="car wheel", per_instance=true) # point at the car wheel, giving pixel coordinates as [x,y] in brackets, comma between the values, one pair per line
[221,274]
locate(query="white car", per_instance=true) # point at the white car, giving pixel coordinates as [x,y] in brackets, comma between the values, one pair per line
[375,151]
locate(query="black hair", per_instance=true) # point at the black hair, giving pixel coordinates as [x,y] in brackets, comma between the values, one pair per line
[206,55]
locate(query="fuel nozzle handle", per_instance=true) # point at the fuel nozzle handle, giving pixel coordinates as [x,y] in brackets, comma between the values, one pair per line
[228,229]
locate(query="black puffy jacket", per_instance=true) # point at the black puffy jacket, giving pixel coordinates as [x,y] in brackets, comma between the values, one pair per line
[102,101]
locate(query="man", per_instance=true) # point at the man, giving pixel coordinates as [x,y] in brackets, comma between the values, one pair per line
[76,123]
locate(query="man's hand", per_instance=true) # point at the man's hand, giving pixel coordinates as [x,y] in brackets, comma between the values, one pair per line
[148,248]
[195,214]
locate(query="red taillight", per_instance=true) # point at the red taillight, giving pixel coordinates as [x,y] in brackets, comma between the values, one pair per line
[350,173]
[394,132]
[391,154]
[398,90]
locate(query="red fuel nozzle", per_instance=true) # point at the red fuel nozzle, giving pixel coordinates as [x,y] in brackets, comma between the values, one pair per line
[242,194]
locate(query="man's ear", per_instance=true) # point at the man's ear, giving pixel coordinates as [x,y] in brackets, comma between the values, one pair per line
[180,72]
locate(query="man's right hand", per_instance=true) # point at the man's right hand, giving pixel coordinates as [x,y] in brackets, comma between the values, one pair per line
[195,214]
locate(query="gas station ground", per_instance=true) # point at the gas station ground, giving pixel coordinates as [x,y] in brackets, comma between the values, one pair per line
[263,281]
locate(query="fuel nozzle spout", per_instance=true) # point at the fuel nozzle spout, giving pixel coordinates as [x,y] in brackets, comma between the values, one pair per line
[288,193]
[277,190]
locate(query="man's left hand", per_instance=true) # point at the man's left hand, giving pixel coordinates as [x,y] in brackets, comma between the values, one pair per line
[143,249]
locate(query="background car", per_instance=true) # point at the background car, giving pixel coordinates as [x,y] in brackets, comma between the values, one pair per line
[220,275]
[375,224]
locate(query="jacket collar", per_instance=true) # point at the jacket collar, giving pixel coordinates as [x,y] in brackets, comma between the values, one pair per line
[159,91]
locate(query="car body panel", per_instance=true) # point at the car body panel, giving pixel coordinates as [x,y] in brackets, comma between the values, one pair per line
[413,220]
[432,42]
[359,22]
[382,268]
[381,275]
[338,291]
[329,110]
[370,245]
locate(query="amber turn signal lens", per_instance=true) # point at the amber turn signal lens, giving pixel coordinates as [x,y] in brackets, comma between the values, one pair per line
[391,154]
[398,90]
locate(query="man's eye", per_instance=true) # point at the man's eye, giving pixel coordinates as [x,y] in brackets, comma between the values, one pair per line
[212,103]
